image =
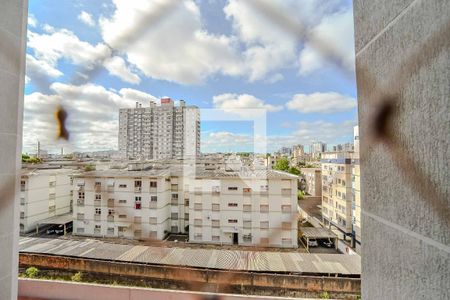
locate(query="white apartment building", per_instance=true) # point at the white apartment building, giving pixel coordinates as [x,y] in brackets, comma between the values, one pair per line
[356,180]
[213,206]
[159,131]
[313,179]
[337,190]
[316,148]
[254,208]
[44,193]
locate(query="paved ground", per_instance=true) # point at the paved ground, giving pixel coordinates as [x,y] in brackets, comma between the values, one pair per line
[268,261]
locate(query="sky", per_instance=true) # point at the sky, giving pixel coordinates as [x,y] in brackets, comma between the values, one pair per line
[94,57]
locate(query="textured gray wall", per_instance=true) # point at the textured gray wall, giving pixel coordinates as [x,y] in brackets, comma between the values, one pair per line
[406,238]
[13,19]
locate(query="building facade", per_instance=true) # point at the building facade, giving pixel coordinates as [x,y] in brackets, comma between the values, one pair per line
[215,207]
[159,131]
[337,190]
[313,180]
[316,149]
[44,193]
[356,190]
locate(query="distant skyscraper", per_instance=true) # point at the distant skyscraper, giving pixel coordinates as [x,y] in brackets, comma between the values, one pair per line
[160,131]
[316,148]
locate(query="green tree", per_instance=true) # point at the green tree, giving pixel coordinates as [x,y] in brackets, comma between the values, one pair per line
[300,195]
[294,170]
[32,272]
[89,167]
[282,164]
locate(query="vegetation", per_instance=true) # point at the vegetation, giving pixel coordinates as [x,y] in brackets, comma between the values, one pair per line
[32,272]
[283,165]
[77,277]
[300,195]
[324,295]
[89,167]
[30,159]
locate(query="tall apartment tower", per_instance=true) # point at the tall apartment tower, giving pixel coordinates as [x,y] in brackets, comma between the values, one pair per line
[159,131]
[316,148]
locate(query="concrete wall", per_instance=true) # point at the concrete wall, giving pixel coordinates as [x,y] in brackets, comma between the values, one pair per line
[217,280]
[13,19]
[406,231]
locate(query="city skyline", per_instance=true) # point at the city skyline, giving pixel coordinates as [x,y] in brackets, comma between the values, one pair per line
[249,64]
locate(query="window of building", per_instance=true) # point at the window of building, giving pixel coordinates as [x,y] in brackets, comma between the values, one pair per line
[247,238]
[215,207]
[247,208]
[98,197]
[247,190]
[216,238]
[232,188]
[232,220]
[232,204]
[122,201]
[264,225]
[215,223]
[264,208]
[174,216]
[153,198]
[122,186]
[186,216]
[122,216]
[98,211]
[153,220]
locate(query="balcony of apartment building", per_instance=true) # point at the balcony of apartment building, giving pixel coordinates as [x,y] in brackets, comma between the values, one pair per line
[153,186]
[110,217]
[98,201]
[110,203]
[138,186]
[153,202]
[174,200]
[174,187]
[98,187]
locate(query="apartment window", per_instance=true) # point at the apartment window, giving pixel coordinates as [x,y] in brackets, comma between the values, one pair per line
[52,183]
[247,208]
[247,224]
[81,195]
[22,215]
[232,188]
[122,201]
[22,200]
[247,190]
[215,207]
[22,185]
[232,204]
[122,216]
[285,208]
[286,226]
[197,206]
[216,189]
[98,197]
[216,238]
[122,186]
[264,208]
[264,225]
[174,216]
[110,231]
[98,211]
[247,238]
[98,183]
[264,188]
[174,196]
[137,202]
[186,216]
[198,222]
[153,184]
[232,220]
[153,220]
[215,223]
[80,217]
[153,198]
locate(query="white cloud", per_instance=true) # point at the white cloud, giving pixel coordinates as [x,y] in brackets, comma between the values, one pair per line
[92,116]
[235,103]
[321,103]
[117,66]
[224,141]
[32,21]
[177,48]
[135,95]
[48,28]
[40,68]
[86,18]
[336,30]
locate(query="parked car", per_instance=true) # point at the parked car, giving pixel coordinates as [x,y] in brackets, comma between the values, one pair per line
[51,230]
[59,230]
[326,243]
[312,243]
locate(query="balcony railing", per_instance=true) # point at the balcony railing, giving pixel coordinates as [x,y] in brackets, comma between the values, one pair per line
[137,189]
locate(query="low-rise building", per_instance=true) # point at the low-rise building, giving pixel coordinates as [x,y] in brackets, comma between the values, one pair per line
[356,191]
[44,193]
[220,207]
[313,180]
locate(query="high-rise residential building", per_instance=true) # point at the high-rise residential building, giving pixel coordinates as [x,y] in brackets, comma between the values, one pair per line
[356,189]
[44,193]
[337,190]
[218,207]
[298,153]
[316,148]
[159,131]
[344,147]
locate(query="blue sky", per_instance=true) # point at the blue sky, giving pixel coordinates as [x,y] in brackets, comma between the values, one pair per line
[222,54]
